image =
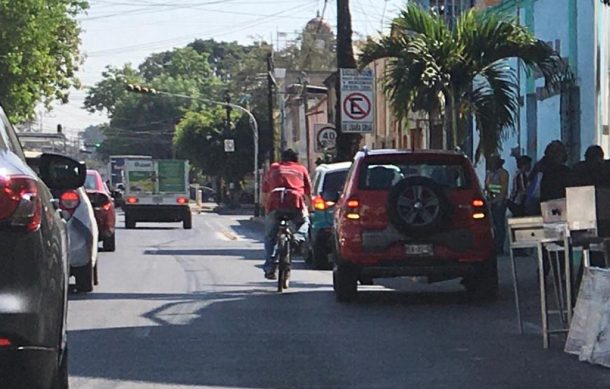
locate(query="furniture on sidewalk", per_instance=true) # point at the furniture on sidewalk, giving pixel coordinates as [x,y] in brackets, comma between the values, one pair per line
[532,232]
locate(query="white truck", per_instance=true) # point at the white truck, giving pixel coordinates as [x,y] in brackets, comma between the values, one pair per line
[156,191]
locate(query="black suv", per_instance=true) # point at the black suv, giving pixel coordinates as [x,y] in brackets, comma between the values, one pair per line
[33,266]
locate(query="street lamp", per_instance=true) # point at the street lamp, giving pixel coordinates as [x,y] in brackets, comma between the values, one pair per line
[253,122]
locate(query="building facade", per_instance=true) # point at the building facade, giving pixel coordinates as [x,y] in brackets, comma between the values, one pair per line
[577,115]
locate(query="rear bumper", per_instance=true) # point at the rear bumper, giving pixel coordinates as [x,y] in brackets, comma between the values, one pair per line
[28,367]
[157,213]
[441,268]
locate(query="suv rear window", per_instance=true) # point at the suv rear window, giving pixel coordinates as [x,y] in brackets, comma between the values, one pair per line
[382,175]
[333,182]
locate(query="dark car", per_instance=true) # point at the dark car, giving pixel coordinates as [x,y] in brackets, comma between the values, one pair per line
[419,213]
[103,208]
[33,267]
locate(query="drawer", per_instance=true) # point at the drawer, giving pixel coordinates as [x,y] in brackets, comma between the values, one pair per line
[529,235]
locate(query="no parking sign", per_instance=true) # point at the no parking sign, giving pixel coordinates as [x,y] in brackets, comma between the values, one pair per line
[357,101]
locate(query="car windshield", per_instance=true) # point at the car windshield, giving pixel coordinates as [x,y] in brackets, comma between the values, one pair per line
[382,176]
[333,182]
[91,182]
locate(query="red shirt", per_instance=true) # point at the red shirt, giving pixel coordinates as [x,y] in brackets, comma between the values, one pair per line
[290,175]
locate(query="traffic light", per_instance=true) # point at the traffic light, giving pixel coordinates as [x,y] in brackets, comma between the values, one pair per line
[98,145]
[141,89]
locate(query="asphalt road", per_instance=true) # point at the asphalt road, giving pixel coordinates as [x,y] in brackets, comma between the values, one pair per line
[184,309]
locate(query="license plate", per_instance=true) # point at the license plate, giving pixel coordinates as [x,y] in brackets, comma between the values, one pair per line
[419,249]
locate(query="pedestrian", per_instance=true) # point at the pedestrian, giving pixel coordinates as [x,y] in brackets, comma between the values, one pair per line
[516,203]
[496,184]
[549,178]
[593,170]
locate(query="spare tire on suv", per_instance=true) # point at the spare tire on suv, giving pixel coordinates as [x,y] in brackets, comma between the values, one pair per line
[417,205]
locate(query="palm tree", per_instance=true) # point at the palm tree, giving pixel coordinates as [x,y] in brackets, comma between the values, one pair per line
[454,73]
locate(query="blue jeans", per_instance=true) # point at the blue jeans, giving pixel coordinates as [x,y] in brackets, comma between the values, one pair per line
[272,223]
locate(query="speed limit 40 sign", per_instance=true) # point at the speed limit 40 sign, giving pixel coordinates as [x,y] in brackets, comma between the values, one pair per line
[326,138]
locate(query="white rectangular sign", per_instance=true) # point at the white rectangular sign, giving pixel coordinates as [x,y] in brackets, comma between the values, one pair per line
[357,101]
[229,145]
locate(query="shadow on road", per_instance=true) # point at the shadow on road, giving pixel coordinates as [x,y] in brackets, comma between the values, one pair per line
[249,254]
[237,337]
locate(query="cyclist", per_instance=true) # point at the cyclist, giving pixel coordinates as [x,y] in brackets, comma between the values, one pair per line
[287,188]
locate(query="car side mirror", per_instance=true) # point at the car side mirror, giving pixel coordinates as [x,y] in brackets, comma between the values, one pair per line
[331,196]
[61,173]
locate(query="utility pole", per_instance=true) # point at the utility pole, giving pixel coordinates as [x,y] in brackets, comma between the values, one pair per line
[347,144]
[272,145]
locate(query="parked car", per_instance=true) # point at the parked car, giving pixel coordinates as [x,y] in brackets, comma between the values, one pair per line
[327,184]
[419,213]
[103,209]
[34,266]
[84,234]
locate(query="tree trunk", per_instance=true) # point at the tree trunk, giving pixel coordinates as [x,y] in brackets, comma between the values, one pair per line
[347,144]
[454,121]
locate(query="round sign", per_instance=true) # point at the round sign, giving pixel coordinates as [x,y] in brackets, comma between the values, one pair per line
[327,139]
[357,106]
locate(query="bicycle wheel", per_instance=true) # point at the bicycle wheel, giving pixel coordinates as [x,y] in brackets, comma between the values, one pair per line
[281,274]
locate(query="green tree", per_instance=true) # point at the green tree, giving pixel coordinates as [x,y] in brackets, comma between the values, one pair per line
[39,53]
[144,124]
[454,73]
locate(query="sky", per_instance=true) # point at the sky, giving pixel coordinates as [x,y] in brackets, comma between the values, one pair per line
[116,32]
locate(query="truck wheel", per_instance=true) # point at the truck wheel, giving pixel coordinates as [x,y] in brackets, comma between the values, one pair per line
[84,278]
[345,283]
[109,244]
[130,224]
[187,222]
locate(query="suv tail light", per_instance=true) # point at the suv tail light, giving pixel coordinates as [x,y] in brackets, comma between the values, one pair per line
[19,202]
[352,209]
[479,209]
[182,200]
[320,204]
[69,201]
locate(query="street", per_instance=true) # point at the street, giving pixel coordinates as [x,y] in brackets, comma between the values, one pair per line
[190,308]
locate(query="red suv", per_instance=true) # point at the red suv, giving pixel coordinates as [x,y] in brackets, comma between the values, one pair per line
[413,213]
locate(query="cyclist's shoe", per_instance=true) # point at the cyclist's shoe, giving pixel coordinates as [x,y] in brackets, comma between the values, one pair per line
[270,275]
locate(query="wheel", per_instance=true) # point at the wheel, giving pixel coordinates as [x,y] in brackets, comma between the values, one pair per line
[187,222]
[84,278]
[319,257]
[482,285]
[417,205]
[283,266]
[61,376]
[109,243]
[130,224]
[96,280]
[345,283]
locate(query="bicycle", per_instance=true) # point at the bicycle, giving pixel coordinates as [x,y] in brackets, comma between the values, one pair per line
[283,256]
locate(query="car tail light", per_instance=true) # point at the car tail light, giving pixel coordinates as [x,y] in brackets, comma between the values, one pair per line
[132,200]
[352,212]
[69,201]
[4,342]
[19,202]
[182,200]
[477,203]
[479,211]
[321,205]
